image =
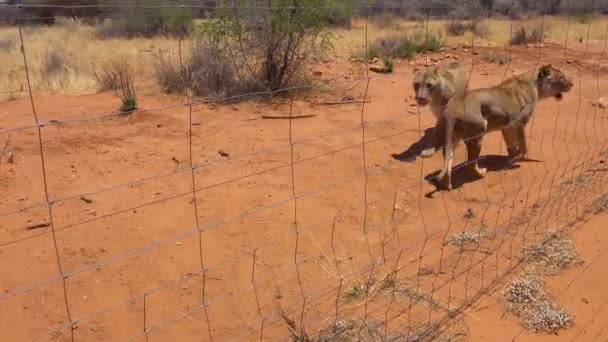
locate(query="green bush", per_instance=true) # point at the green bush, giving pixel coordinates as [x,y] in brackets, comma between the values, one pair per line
[270,43]
[405,46]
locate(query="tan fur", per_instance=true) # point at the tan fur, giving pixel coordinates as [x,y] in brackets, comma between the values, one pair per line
[507,106]
[435,86]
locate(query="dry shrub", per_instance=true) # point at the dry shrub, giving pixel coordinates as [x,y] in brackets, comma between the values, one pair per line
[6,45]
[58,69]
[339,330]
[117,74]
[479,28]
[458,28]
[157,18]
[464,238]
[405,46]
[106,74]
[385,21]
[529,35]
[274,46]
[526,298]
[55,62]
[552,256]
[206,71]
[491,57]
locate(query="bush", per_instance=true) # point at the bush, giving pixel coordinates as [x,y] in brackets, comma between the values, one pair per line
[340,13]
[457,28]
[6,45]
[491,57]
[583,17]
[106,74]
[385,21]
[270,46]
[207,70]
[525,35]
[55,62]
[389,65]
[479,28]
[118,75]
[405,46]
[148,22]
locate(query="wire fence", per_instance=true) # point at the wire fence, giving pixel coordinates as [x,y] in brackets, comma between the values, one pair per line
[119,229]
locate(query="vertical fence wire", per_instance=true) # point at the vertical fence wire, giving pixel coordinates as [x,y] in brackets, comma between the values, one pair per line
[45,182]
[559,203]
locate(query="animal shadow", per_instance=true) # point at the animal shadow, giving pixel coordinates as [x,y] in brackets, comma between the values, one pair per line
[460,176]
[415,149]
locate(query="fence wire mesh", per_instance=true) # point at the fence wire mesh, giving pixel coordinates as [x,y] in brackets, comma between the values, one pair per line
[230,218]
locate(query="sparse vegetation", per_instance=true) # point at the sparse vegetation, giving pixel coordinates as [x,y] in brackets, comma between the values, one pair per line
[270,48]
[354,291]
[526,298]
[150,21]
[406,46]
[206,71]
[492,57]
[464,238]
[389,65]
[529,35]
[117,74]
[6,45]
[583,17]
[552,256]
[339,330]
[386,21]
[458,28]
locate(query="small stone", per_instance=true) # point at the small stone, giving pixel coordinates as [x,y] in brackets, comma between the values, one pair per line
[602,102]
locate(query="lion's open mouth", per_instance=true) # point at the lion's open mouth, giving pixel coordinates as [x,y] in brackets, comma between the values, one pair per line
[422,102]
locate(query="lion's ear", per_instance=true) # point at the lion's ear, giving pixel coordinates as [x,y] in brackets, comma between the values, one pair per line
[545,71]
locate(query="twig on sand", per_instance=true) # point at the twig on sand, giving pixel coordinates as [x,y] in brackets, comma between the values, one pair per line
[289,117]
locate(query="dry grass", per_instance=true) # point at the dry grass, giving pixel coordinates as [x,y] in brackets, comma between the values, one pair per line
[76,47]
[526,298]
[491,57]
[551,256]
[466,238]
[61,56]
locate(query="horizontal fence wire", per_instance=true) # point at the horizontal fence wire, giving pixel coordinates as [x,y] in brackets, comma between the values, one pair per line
[392,261]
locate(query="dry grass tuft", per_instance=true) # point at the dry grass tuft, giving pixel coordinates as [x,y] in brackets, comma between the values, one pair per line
[476,27]
[536,33]
[339,331]
[491,57]
[464,238]
[526,298]
[552,256]
[205,70]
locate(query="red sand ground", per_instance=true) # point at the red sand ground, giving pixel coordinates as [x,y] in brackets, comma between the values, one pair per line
[133,256]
